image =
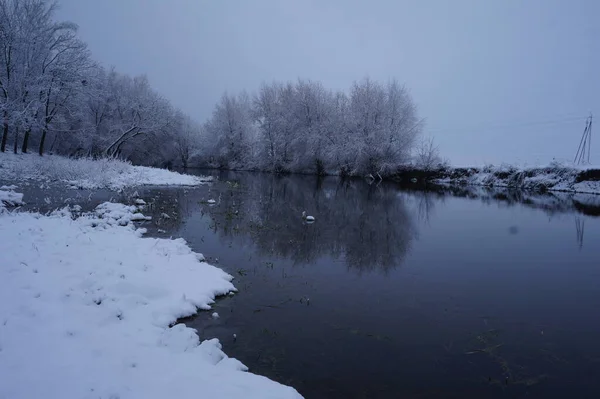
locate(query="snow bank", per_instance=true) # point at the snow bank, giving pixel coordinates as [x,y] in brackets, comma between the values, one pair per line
[89,173]
[554,177]
[85,309]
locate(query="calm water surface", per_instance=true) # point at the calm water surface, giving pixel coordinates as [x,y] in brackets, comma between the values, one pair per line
[394,293]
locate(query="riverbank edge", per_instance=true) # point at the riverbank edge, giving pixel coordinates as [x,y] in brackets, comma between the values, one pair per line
[540,179]
[554,177]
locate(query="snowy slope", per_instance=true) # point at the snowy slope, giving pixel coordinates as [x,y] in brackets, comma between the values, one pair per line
[85,309]
[88,173]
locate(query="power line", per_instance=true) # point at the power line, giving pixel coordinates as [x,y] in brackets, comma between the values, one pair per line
[510,125]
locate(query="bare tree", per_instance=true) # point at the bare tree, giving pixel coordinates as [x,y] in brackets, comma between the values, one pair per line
[427,155]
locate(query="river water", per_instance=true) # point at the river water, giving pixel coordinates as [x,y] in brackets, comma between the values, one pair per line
[393,292]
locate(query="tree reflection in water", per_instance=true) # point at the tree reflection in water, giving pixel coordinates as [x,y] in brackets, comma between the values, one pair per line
[368,227]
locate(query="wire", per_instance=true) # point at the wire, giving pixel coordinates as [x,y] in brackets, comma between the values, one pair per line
[510,126]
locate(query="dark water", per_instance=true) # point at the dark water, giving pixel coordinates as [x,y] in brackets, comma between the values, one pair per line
[463,293]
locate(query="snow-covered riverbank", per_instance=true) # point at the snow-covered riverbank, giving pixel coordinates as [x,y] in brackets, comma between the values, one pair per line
[85,309]
[554,177]
[88,173]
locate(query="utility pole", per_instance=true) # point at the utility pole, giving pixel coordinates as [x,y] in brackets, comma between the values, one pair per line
[585,145]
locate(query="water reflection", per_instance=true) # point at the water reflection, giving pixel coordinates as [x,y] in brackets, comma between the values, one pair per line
[580,229]
[552,203]
[368,227]
[426,201]
[168,207]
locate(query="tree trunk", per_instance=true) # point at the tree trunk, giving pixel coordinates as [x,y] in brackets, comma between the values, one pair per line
[42,140]
[121,139]
[16,143]
[117,152]
[53,142]
[4,133]
[25,140]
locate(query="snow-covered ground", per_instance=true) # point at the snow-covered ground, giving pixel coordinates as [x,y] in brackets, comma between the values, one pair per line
[88,173]
[553,177]
[85,309]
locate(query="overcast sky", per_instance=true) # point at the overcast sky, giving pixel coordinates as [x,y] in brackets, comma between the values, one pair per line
[496,80]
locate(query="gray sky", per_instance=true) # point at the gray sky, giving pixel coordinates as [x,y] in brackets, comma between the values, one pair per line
[497,80]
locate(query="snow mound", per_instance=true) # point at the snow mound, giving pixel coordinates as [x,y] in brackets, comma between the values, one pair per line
[119,214]
[85,313]
[89,173]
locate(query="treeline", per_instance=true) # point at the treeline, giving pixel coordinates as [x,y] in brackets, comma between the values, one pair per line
[304,127]
[54,97]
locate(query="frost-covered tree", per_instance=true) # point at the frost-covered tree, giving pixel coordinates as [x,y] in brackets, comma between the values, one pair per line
[230,129]
[302,127]
[43,67]
[265,113]
[313,118]
[187,139]
[64,68]
[21,26]
[384,124]
[54,96]
[338,152]
[137,110]
[367,124]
